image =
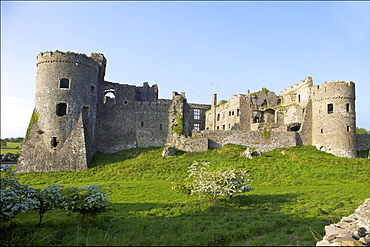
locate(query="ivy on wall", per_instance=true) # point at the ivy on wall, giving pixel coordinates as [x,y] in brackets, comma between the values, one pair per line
[179,128]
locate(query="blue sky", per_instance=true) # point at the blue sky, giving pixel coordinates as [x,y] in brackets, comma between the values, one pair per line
[199,48]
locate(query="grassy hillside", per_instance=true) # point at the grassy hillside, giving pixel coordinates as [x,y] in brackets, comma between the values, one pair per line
[12,147]
[297,194]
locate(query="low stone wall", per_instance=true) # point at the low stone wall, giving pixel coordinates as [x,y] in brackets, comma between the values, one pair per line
[252,139]
[353,230]
[362,142]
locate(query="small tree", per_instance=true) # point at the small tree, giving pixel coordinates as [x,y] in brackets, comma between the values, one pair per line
[48,199]
[15,197]
[87,201]
[218,183]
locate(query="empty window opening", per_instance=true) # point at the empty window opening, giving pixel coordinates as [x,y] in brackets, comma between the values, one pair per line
[160,126]
[92,90]
[197,126]
[125,102]
[196,114]
[279,101]
[223,127]
[264,103]
[322,131]
[218,117]
[232,113]
[347,107]
[109,93]
[64,83]
[229,126]
[229,113]
[218,127]
[294,127]
[54,142]
[61,109]
[142,124]
[299,98]
[237,112]
[85,112]
[348,129]
[330,108]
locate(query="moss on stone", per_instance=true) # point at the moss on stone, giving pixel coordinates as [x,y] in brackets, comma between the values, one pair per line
[33,120]
[179,128]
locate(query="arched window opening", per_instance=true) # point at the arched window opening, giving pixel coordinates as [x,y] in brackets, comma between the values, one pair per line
[109,95]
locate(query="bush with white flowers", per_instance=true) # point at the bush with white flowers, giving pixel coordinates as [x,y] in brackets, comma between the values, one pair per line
[211,184]
[87,201]
[48,199]
[15,198]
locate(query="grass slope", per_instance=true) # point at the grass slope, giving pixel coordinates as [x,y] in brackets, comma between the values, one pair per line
[296,195]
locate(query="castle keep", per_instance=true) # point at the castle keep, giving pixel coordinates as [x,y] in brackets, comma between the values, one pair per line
[77,113]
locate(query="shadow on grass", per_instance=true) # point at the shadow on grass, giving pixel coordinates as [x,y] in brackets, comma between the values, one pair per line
[245,220]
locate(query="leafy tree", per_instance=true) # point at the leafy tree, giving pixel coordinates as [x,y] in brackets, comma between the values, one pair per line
[48,199]
[15,197]
[3,143]
[87,201]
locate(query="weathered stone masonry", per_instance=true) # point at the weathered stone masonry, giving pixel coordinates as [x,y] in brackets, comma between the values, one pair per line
[79,114]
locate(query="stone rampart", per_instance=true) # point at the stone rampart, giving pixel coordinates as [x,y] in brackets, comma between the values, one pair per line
[362,142]
[254,139]
[353,230]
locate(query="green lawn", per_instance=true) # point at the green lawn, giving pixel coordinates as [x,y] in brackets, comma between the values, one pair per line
[296,195]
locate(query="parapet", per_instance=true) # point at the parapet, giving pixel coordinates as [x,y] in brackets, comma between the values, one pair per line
[72,58]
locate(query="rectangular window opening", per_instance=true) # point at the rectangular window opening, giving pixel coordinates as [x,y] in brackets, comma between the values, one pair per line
[347,107]
[64,83]
[54,142]
[348,128]
[197,126]
[330,108]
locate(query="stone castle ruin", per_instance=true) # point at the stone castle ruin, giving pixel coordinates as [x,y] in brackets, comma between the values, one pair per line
[77,113]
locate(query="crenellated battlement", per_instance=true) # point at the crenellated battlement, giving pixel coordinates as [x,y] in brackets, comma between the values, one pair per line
[71,58]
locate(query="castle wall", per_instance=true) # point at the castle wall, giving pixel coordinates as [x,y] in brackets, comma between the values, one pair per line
[362,142]
[252,139]
[129,117]
[36,157]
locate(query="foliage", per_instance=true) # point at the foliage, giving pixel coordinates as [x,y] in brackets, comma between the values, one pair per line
[362,131]
[15,197]
[265,90]
[48,199]
[9,157]
[222,102]
[184,188]
[33,120]
[179,128]
[87,201]
[266,134]
[218,183]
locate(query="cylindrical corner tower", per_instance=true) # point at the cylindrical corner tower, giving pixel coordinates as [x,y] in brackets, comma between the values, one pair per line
[334,118]
[65,104]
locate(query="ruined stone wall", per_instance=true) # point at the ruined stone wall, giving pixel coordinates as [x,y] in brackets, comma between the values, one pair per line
[353,230]
[69,155]
[362,142]
[253,139]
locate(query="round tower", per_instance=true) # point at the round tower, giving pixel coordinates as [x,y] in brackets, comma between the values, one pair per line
[66,86]
[334,118]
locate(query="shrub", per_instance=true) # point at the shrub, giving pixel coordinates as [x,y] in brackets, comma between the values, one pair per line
[15,197]
[87,201]
[48,199]
[218,183]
